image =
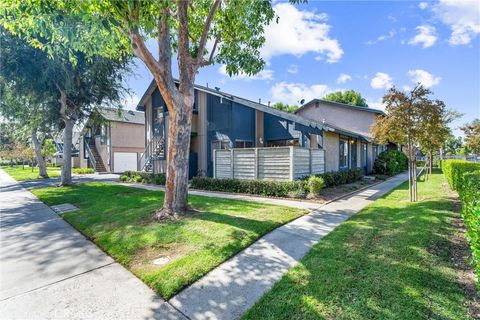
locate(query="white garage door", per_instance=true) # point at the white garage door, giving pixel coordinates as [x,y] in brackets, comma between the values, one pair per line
[123,161]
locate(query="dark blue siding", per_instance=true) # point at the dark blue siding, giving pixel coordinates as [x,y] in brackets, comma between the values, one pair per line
[276,128]
[227,121]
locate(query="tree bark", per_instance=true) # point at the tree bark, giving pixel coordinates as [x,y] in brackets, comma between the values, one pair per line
[38,154]
[178,149]
[66,177]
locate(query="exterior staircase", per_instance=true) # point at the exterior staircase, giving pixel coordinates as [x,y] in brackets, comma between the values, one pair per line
[155,150]
[97,159]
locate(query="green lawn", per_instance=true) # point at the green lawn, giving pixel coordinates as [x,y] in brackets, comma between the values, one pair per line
[118,219]
[390,261]
[19,173]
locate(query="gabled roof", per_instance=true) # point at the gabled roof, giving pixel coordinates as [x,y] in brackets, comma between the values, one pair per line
[128,116]
[246,102]
[343,105]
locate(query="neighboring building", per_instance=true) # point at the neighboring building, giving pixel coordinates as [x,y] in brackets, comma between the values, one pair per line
[112,140]
[222,121]
[347,140]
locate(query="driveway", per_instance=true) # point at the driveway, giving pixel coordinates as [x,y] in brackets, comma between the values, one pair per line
[50,271]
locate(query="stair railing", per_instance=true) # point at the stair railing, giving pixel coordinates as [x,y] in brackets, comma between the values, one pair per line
[153,151]
[90,154]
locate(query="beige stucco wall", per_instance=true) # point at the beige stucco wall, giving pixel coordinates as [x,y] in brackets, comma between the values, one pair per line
[127,135]
[330,145]
[349,119]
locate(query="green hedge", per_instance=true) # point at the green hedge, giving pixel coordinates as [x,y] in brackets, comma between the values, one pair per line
[464,177]
[469,190]
[143,177]
[83,170]
[292,189]
[390,162]
[454,170]
[336,178]
[296,189]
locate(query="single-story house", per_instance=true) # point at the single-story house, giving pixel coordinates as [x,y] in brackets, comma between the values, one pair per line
[112,140]
[233,137]
[347,140]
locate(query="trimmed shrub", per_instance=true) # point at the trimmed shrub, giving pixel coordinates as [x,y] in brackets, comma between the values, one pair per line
[469,191]
[261,187]
[315,184]
[143,177]
[83,170]
[336,178]
[454,170]
[390,162]
[292,189]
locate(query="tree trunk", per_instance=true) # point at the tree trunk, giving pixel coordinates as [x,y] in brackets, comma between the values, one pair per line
[66,177]
[178,149]
[38,154]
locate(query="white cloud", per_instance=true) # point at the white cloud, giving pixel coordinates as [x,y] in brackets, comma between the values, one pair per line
[293,68]
[381,81]
[383,37]
[298,32]
[376,104]
[343,77]
[424,77]
[423,5]
[265,74]
[462,17]
[427,36]
[293,93]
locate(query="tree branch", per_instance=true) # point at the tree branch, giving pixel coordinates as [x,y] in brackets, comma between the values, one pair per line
[206,29]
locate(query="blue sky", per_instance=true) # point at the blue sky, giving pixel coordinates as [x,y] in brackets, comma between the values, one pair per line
[367,46]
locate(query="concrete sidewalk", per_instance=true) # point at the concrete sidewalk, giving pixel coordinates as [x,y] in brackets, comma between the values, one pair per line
[229,290]
[48,270]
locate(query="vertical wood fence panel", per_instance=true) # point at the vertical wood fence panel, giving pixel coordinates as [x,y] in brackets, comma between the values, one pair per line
[280,163]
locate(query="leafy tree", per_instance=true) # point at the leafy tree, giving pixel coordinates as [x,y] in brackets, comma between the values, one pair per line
[472,136]
[49,148]
[284,107]
[452,145]
[412,118]
[198,33]
[66,83]
[349,97]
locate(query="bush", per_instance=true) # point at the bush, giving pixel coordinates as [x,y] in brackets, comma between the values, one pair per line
[336,178]
[143,177]
[454,170]
[292,189]
[315,184]
[390,162]
[83,170]
[469,191]
[261,187]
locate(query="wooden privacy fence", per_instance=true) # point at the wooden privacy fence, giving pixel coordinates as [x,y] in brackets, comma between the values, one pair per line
[276,163]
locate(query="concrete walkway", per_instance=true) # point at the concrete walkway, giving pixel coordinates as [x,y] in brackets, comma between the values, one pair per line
[229,290]
[50,271]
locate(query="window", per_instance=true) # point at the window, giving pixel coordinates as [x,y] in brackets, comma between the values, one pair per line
[319,141]
[343,154]
[353,154]
[283,143]
[103,134]
[243,144]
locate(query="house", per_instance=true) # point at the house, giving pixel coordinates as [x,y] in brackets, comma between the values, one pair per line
[112,140]
[347,140]
[233,137]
